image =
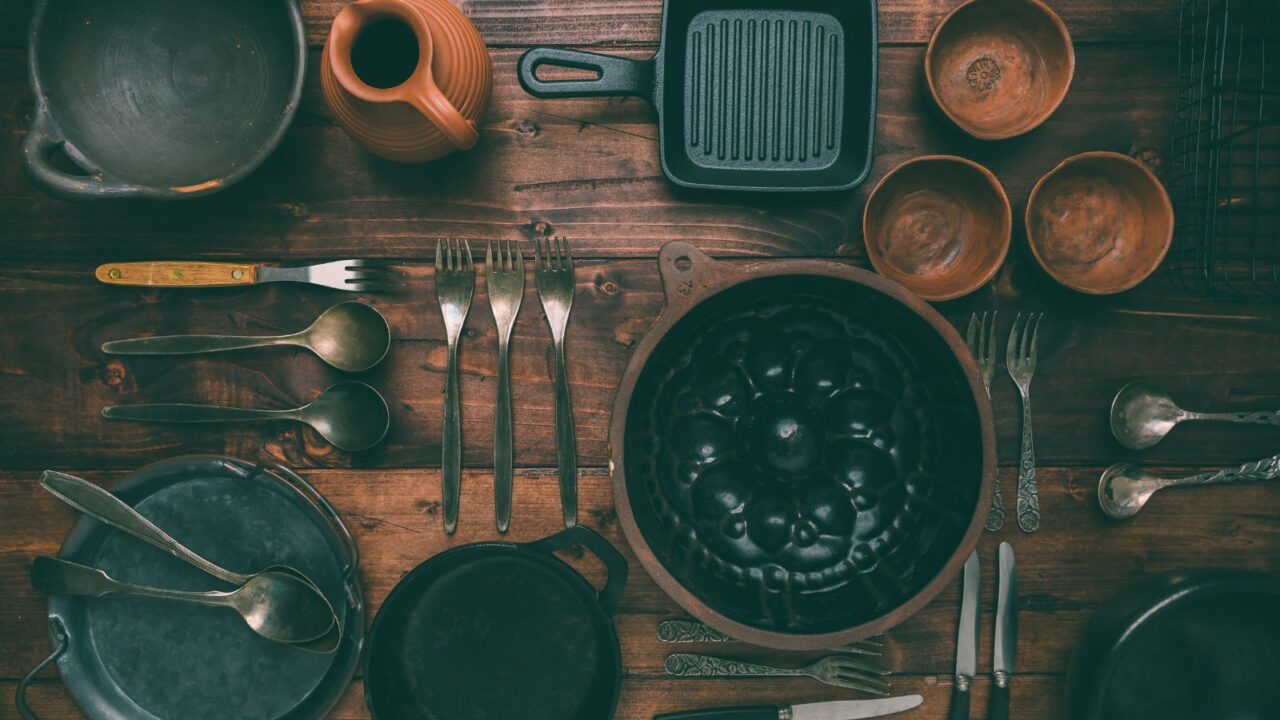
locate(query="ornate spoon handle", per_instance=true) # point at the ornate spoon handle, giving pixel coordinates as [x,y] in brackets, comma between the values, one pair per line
[1265,469]
[689,631]
[688,665]
[1252,418]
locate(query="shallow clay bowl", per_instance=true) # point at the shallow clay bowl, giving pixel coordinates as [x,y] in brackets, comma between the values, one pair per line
[1099,223]
[940,225]
[159,98]
[1000,68]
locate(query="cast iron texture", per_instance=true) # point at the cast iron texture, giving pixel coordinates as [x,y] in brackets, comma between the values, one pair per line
[494,631]
[750,96]
[159,98]
[151,659]
[799,449]
[1196,645]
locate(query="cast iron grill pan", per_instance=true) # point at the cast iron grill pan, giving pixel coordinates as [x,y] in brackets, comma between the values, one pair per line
[750,96]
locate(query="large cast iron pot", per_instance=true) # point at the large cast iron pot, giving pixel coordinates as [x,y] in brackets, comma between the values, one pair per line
[802,451]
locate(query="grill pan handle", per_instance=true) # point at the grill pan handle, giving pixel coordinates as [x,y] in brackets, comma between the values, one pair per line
[614,563]
[618,76]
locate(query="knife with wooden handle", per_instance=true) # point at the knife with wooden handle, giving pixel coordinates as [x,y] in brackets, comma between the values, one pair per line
[833,710]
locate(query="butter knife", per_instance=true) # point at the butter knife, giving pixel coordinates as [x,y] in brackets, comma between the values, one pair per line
[966,640]
[1006,645]
[833,710]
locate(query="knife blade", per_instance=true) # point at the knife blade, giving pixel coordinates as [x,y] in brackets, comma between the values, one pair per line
[833,710]
[967,639]
[1006,641]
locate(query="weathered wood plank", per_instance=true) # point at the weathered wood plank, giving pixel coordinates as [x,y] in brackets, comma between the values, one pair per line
[54,381]
[611,22]
[1077,560]
[587,169]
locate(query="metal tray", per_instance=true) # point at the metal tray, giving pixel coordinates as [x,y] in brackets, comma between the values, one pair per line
[750,95]
[149,659]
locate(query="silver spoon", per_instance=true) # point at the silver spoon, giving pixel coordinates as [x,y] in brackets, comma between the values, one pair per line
[292,585]
[1142,414]
[350,415]
[258,600]
[1124,489]
[350,336]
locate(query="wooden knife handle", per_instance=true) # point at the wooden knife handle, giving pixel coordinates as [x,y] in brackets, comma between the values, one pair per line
[760,712]
[177,274]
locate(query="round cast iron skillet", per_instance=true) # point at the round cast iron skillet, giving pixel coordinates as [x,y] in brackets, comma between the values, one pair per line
[802,452]
[496,631]
[123,657]
[1187,646]
[159,98]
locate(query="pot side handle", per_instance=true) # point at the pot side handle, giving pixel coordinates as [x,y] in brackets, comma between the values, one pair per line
[687,273]
[614,564]
[60,644]
[43,139]
[618,76]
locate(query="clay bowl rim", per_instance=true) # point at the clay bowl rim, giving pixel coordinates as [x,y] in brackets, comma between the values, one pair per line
[1165,202]
[1063,32]
[707,278]
[879,263]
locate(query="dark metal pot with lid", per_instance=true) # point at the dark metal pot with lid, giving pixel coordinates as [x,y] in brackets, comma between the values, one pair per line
[499,630]
[802,452]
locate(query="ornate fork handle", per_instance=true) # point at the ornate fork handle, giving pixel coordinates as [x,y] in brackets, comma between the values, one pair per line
[688,665]
[1265,417]
[1028,493]
[686,631]
[1265,469]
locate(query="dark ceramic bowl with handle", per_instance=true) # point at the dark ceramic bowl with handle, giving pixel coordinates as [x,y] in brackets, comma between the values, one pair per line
[159,99]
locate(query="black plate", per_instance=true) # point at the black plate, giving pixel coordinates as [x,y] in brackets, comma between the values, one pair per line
[154,659]
[751,94]
[803,454]
[498,631]
[159,98]
[1187,646]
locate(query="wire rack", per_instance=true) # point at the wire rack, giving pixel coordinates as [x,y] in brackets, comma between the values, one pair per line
[1226,150]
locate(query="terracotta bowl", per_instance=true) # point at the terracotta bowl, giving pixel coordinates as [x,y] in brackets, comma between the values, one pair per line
[1099,223]
[940,225]
[1000,68]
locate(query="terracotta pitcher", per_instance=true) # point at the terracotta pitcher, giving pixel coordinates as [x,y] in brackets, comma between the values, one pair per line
[407,79]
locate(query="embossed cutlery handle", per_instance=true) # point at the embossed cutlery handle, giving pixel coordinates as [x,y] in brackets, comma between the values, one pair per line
[1028,493]
[1257,471]
[1265,417]
[689,665]
[689,631]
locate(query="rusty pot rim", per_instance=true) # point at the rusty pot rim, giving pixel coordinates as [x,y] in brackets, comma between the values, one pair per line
[1166,209]
[690,277]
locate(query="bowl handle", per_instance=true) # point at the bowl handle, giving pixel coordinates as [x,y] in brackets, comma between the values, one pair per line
[42,139]
[618,76]
[688,273]
[614,563]
[60,644]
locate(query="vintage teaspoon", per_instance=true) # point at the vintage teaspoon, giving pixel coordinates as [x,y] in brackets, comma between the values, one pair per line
[350,415]
[350,336]
[1125,488]
[1142,414]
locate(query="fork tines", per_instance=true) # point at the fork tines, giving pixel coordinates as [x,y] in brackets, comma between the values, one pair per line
[453,255]
[370,276]
[552,254]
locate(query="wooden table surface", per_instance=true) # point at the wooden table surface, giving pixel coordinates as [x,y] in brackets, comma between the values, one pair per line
[588,169]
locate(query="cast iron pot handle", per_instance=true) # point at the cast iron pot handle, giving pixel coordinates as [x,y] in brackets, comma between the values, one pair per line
[618,76]
[60,644]
[614,563]
[42,139]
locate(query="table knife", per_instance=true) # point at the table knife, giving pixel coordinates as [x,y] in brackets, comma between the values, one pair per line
[834,710]
[1006,633]
[966,640]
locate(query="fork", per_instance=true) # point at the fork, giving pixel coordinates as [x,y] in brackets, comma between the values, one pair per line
[692,631]
[981,337]
[349,275]
[505,273]
[1021,360]
[455,283]
[837,670]
[553,271]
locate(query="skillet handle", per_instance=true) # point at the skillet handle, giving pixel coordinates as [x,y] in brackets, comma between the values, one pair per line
[618,76]
[42,139]
[60,645]
[614,563]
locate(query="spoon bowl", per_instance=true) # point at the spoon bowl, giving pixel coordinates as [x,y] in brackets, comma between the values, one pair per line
[350,336]
[350,415]
[1142,414]
[1124,489]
